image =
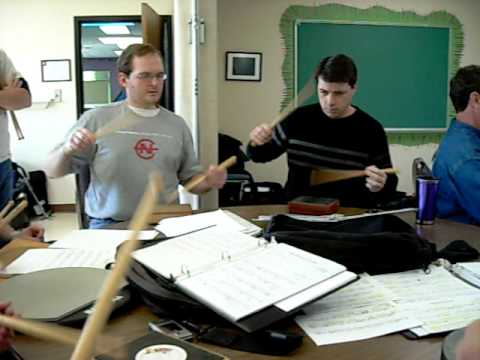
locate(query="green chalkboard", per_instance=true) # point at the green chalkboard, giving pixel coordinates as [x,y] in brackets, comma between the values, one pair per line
[403,70]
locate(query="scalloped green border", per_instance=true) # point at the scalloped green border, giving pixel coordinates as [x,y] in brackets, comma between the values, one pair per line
[374,14]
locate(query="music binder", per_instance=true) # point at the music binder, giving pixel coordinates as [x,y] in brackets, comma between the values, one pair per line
[248,281]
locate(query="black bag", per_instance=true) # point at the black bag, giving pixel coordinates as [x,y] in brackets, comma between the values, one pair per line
[377,244]
[164,299]
[34,185]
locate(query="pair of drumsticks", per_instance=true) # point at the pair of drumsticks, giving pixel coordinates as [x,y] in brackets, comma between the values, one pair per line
[6,216]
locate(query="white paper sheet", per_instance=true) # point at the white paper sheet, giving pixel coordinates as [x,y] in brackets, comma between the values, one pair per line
[191,252]
[315,291]
[98,239]
[440,300]
[359,311]
[43,259]
[185,224]
[241,287]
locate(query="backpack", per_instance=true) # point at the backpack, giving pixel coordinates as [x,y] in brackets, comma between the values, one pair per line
[34,185]
[375,244]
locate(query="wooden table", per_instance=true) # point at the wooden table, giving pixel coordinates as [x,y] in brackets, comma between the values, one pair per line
[133,323]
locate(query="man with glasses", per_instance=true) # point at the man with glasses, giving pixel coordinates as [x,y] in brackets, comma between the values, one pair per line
[148,137]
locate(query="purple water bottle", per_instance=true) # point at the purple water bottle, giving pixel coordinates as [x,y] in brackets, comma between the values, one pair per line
[427,188]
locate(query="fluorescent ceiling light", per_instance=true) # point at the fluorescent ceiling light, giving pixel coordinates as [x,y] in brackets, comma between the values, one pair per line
[121,42]
[113,29]
[106,23]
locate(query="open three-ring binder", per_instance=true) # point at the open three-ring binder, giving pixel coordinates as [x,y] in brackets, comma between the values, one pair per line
[249,281]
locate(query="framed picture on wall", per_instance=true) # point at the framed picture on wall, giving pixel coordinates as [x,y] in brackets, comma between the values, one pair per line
[56,70]
[243,66]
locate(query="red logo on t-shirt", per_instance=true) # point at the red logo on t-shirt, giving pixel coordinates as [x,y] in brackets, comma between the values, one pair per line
[145,149]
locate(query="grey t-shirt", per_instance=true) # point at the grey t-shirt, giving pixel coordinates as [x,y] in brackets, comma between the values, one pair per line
[121,161]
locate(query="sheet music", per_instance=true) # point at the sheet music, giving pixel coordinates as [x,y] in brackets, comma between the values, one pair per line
[359,311]
[471,266]
[185,224]
[316,291]
[44,259]
[248,227]
[243,286]
[444,314]
[417,285]
[196,250]
[441,301]
[469,272]
[95,239]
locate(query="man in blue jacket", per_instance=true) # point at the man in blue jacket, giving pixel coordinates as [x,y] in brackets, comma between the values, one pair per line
[457,163]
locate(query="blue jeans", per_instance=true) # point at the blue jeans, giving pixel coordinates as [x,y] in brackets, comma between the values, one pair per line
[6,182]
[96,223]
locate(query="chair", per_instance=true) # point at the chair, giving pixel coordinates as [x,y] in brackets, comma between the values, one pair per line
[241,188]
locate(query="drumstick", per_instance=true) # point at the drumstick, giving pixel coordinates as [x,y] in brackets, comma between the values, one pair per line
[57,333]
[13,214]
[197,180]
[323,176]
[307,91]
[6,208]
[126,120]
[103,306]
[52,332]
[16,125]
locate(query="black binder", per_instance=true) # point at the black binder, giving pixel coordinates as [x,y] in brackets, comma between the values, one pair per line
[167,300]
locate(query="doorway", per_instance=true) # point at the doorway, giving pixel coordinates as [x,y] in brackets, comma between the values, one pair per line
[99,41]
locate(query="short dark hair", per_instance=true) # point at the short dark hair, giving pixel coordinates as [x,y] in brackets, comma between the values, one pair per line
[465,81]
[124,62]
[339,68]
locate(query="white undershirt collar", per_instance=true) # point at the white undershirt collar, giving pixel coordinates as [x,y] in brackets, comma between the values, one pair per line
[144,112]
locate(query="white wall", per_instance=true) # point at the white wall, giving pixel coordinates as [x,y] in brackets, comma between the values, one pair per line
[32,30]
[253,25]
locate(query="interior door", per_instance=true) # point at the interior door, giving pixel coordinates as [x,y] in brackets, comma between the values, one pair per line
[152,27]
[157,31]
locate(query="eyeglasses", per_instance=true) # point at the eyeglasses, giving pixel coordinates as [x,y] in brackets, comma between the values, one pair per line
[145,76]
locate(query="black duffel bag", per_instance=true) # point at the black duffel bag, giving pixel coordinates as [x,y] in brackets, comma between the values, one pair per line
[375,244]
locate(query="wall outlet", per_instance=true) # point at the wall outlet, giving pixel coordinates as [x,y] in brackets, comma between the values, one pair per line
[58,95]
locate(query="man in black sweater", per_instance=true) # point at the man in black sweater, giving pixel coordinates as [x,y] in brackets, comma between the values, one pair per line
[332,134]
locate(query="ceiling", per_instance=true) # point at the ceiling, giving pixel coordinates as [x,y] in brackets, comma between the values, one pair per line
[92,47]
